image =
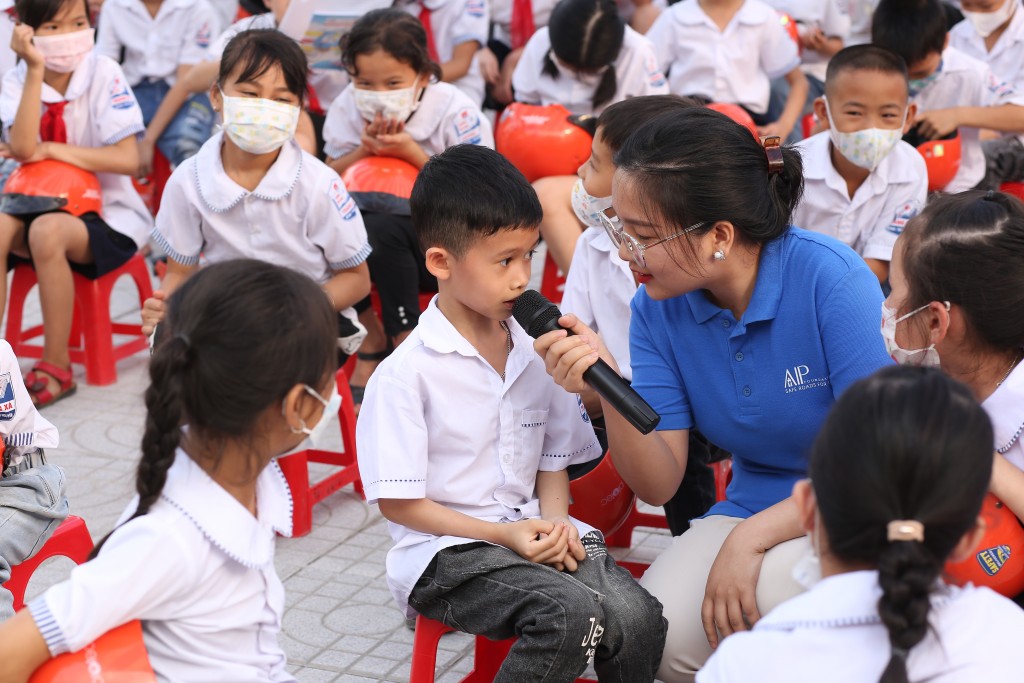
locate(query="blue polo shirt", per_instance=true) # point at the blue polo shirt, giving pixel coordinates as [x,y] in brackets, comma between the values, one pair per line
[761,386]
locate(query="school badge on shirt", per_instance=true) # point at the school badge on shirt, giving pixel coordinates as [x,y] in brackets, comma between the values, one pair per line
[120,96]
[901,217]
[7,406]
[467,127]
[342,200]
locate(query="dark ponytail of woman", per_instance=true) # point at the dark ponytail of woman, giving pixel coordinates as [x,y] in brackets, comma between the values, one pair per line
[906,444]
[587,35]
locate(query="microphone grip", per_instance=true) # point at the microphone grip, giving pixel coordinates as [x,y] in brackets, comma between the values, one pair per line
[617,392]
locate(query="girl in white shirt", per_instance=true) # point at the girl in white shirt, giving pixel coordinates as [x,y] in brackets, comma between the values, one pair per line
[66,103]
[396,106]
[244,373]
[896,484]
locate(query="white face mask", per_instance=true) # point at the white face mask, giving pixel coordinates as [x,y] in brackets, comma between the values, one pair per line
[315,434]
[257,125]
[65,51]
[985,23]
[587,207]
[390,104]
[865,148]
[927,357]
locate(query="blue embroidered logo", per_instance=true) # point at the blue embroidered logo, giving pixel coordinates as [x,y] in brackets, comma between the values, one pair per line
[120,96]
[7,407]
[342,200]
[467,127]
[900,218]
[475,8]
[993,559]
[583,409]
[203,36]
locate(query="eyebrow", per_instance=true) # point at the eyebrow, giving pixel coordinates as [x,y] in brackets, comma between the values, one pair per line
[636,222]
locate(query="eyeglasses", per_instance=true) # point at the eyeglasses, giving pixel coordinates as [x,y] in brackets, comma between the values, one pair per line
[636,249]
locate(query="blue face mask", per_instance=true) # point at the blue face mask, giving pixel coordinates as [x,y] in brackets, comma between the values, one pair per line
[919,84]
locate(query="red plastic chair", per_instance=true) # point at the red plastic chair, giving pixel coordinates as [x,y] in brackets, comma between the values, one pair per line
[151,188]
[118,656]
[92,331]
[71,540]
[296,466]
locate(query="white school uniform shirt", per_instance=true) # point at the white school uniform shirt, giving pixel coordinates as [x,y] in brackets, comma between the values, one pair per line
[197,570]
[154,47]
[833,633]
[861,13]
[445,117]
[1005,407]
[598,290]
[636,74]
[501,17]
[874,217]
[299,216]
[21,425]
[966,82]
[735,65]
[438,422]
[454,22]
[8,59]
[826,15]
[101,110]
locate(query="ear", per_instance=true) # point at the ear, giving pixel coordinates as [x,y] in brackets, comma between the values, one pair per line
[216,99]
[969,542]
[939,321]
[821,113]
[439,262]
[299,408]
[422,81]
[806,503]
[911,118]
[723,237]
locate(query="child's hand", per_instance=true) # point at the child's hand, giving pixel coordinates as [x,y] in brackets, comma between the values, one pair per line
[574,552]
[488,65]
[153,312]
[773,128]
[43,151]
[937,123]
[21,43]
[536,540]
[814,39]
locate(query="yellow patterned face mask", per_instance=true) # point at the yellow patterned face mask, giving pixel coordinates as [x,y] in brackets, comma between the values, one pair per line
[257,125]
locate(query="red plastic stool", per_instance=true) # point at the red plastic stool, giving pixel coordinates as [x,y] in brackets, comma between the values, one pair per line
[1016,189]
[71,540]
[151,188]
[488,654]
[92,332]
[552,281]
[296,466]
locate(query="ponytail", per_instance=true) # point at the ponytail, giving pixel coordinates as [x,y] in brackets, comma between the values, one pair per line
[550,68]
[587,36]
[606,88]
[907,571]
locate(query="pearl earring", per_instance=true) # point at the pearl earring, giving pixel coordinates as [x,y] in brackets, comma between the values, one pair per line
[719,255]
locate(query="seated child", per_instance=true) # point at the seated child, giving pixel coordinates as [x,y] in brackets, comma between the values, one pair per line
[951,90]
[862,182]
[895,490]
[994,34]
[67,103]
[160,44]
[252,192]
[729,52]
[478,507]
[396,107]
[600,286]
[513,23]
[33,501]
[242,375]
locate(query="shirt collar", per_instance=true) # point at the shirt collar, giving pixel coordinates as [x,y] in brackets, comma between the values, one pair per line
[433,106]
[750,13]
[139,8]
[1004,408]
[817,155]
[764,303]
[77,86]
[220,192]
[223,520]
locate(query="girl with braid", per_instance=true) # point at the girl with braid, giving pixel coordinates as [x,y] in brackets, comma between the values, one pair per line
[244,373]
[897,476]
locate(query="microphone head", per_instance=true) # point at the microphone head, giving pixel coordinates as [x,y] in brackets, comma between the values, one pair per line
[535,313]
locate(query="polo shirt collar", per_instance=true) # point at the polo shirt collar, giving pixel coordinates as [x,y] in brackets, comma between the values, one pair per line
[750,13]
[764,303]
[1004,405]
[817,158]
[225,522]
[1014,33]
[220,193]
[433,106]
[139,8]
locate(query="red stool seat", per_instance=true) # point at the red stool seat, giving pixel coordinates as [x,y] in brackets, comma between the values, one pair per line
[296,466]
[71,540]
[92,331]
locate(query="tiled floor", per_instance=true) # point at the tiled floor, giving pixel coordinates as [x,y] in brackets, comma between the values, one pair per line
[340,624]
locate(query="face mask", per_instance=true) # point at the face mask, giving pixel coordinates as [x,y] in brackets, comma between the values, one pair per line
[315,434]
[928,357]
[64,52]
[985,23]
[390,104]
[918,84]
[865,148]
[588,206]
[259,126]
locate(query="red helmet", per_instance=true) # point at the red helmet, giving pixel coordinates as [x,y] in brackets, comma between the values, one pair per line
[118,655]
[942,158]
[382,184]
[542,141]
[601,498]
[49,185]
[998,561]
[737,114]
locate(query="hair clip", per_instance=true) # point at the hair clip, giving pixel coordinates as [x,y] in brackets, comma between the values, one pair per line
[773,150]
[906,530]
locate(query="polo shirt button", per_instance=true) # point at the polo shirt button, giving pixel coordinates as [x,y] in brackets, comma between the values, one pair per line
[726,324]
[746,391]
[739,355]
[506,458]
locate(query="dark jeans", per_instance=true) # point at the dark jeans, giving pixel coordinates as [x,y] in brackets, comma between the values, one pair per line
[563,620]
[397,269]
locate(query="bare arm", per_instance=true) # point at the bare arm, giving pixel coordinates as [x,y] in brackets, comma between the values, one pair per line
[24,134]
[22,648]
[120,157]
[879,268]
[462,58]
[348,287]
[798,88]
[341,164]
[153,309]
[1008,485]
[938,123]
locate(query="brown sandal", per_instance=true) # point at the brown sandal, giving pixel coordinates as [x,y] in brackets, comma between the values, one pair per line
[41,395]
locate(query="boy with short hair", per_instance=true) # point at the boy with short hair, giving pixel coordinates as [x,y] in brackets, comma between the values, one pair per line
[862,183]
[463,440]
[951,90]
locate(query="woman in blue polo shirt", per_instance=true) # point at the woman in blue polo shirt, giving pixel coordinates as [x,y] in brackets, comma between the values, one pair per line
[745,328]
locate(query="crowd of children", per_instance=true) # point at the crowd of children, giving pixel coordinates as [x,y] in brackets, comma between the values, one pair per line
[735,280]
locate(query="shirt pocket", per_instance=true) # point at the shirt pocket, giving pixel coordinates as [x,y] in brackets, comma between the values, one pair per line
[529,442]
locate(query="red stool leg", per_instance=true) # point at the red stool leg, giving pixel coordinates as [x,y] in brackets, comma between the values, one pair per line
[296,470]
[424,649]
[93,297]
[71,540]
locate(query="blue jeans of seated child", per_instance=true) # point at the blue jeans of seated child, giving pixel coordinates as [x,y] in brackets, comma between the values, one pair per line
[190,127]
[564,620]
[32,505]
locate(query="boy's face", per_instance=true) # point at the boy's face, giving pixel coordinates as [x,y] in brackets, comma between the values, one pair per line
[859,99]
[597,171]
[925,67]
[489,276]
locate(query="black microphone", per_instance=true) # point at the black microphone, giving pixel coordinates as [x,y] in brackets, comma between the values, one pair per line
[539,316]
